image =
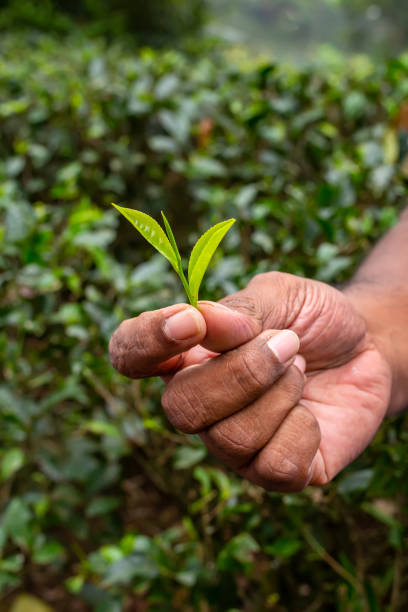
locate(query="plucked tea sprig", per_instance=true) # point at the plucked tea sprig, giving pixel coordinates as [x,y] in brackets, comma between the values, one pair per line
[201,254]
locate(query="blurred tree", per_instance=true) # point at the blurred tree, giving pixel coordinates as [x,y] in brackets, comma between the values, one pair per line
[384,22]
[157,22]
[293,28]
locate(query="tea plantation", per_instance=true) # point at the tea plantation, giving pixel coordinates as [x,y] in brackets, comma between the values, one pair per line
[103,505]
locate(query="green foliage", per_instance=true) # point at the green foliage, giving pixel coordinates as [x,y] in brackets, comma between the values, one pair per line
[98,493]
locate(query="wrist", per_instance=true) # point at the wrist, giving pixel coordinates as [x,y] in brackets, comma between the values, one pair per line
[385,312]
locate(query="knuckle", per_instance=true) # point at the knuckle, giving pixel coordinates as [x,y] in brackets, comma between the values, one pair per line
[277,472]
[244,371]
[284,466]
[277,468]
[232,439]
[244,303]
[288,286]
[267,277]
[183,406]
[260,279]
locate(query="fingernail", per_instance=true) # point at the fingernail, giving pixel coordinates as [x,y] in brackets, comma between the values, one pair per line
[284,345]
[300,363]
[183,325]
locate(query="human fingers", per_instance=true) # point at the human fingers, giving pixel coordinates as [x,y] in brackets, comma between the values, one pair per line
[153,343]
[285,463]
[236,439]
[270,301]
[329,329]
[227,328]
[200,395]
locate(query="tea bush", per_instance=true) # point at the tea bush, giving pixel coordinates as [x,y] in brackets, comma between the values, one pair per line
[104,505]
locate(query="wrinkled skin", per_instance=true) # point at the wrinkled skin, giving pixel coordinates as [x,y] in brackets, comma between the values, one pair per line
[274,425]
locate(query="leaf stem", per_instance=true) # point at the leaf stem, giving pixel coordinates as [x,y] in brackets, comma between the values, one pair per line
[335,565]
[192,301]
[180,271]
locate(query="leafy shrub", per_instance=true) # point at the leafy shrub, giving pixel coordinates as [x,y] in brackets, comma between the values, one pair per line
[102,500]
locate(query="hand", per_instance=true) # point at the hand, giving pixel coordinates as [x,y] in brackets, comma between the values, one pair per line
[232,377]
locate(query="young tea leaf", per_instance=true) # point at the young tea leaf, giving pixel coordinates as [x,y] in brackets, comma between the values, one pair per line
[152,232]
[180,270]
[171,238]
[202,253]
[166,245]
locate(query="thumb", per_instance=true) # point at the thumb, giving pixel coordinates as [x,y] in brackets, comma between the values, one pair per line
[226,328]
[270,301]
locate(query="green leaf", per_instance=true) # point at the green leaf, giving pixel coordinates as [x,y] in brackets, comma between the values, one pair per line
[74,584]
[166,245]
[151,231]
[222,481]
[180,271]
[111,553]
[241,549]
[12,461]
[187,456]
[101,505]
[17,522]
[124,571]
[13,563]
[49,552]
[357,481]
[201,474]
[202,253]
[172,240]
[284,547]
[101,428]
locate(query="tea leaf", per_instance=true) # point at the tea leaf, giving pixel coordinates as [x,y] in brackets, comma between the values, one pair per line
[171,238]
[166,245]
[202,253]
[180,270]
[151,231]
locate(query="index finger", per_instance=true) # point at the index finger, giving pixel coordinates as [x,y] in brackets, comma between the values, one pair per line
[152,343]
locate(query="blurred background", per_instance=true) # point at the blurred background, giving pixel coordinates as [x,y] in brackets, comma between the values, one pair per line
[290,116]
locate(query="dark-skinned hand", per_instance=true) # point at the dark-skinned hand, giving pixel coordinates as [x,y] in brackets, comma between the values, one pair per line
[282,380]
